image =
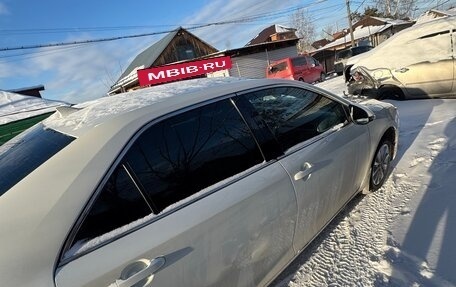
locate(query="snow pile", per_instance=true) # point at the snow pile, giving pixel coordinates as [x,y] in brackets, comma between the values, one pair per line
[14,107]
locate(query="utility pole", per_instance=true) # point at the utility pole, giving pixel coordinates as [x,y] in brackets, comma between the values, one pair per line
[350,23]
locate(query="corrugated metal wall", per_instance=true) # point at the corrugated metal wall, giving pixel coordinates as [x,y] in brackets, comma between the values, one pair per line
[254,65]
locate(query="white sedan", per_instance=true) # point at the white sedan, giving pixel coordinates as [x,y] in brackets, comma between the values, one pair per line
[208,182]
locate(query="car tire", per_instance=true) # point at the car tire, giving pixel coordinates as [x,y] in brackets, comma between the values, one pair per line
[392,93]
[381,164]
[322,77]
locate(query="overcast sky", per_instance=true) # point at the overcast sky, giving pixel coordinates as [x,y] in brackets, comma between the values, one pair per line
[83,72]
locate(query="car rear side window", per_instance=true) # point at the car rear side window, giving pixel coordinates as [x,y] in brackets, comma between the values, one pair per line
[191,151]
[295,115]
[299,61]
[170,161]
[27,151]
[278,67]
[120,202]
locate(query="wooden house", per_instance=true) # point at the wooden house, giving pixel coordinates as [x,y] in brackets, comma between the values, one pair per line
[179,45]
[368,31]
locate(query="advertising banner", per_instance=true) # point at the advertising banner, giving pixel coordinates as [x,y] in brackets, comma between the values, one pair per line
[175,72]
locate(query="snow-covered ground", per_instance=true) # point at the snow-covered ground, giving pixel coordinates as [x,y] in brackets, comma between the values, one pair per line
[405,233]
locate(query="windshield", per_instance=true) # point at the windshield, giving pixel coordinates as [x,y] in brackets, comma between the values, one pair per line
[344,54]
[27,151]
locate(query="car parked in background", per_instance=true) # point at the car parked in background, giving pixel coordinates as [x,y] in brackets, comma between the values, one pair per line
[207,182]
[300,68]
[343,55]
[418,62]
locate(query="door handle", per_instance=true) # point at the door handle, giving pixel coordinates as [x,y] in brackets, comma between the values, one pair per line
[138,271]
[402,70]
[304,173]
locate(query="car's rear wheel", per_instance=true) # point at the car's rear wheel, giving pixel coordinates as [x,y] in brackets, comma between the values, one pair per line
[380,165]
[390,92]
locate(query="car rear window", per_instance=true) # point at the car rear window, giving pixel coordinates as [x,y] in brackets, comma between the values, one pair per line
[27,151]
[278,67]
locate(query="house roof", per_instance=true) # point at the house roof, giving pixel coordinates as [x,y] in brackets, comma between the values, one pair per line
[14,107]
[366,27]
[252,49]
[29,91]
[377,21]
[320,43]
[147,57]
[263,36]
[433,13]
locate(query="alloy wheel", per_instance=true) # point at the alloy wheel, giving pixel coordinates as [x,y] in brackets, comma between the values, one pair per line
[381,165]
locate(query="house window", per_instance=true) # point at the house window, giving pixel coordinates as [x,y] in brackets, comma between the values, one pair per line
[185,52]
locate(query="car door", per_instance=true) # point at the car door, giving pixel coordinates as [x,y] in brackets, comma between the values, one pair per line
[301,71]
[322,150]
[314,69]
[191,202]
[432,70]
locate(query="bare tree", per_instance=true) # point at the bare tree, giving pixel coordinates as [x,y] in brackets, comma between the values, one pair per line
[397,9]
[302,21]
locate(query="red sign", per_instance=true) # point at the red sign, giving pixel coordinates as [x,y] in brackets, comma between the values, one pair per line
[163,74]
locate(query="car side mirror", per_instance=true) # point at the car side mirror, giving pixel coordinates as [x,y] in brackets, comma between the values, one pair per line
[360,115]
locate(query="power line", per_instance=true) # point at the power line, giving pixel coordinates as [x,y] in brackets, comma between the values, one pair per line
[38,31]
[245,19]
[81,42]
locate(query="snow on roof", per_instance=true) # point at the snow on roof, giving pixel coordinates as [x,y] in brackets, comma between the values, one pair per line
[283,29]
[14,107]
[433,14]
[358,33]
[391,21]
[94,112]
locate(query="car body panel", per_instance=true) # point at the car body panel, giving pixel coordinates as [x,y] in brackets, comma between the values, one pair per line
[330,183]
[427,69]
[216,241]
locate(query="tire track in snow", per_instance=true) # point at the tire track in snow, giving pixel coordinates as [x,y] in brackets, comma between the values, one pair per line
[357,249]
[351,250]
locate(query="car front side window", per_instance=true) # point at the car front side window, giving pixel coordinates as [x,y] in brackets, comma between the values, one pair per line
[295,115]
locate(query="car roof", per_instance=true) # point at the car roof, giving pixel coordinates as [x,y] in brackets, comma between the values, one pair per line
[388,52]
[160,100]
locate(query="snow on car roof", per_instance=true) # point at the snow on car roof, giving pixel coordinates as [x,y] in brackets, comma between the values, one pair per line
[14,107]
[410,46]
[95,112]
